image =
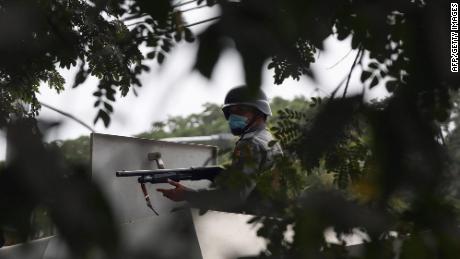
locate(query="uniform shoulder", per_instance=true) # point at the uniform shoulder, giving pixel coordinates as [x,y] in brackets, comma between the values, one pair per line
[263,138]
[246,143]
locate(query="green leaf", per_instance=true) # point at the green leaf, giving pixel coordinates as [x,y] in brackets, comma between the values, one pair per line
[210,2]
[209,51]
[108,107]
[152,41]
[80,77]
[145,68]
[374,65]
[166,47]
[158,10]
[110,91]
[365,75]
[178,36]
[374,82]
[391,86]
[102,115]
[110,96]
[160,57]
[188,35]
[151,55]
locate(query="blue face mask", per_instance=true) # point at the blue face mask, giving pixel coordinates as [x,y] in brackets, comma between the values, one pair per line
[237,123]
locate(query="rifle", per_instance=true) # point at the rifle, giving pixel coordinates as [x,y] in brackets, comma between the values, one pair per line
[162,175]
[177,174]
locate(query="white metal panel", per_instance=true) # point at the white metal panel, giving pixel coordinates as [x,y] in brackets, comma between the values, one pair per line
[112,153]
[171,234]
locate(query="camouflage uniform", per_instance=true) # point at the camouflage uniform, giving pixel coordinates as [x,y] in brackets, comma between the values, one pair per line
[251,154]
[252,151]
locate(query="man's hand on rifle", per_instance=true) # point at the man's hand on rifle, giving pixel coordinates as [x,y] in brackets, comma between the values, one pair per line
[176,194]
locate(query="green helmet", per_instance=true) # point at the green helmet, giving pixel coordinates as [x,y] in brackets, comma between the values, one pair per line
[244,95]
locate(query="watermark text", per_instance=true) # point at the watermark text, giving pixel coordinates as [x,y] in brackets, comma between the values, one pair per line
[454,37]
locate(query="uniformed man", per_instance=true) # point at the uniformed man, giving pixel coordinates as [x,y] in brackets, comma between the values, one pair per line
[246,111]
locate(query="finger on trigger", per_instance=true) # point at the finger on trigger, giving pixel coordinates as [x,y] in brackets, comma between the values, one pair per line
[173,182]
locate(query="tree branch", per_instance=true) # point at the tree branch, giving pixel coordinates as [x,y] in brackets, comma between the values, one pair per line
[203,21]
[69,116]
[183,3]
[360,51]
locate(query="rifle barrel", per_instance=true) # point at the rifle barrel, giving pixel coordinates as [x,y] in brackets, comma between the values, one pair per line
[177,174]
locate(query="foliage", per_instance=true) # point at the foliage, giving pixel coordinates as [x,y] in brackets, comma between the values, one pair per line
[406,160]
[37,177]
[75,152]
[208,122]
[103,38]
[351,161]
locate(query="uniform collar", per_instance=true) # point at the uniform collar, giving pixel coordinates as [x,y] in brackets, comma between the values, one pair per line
[253,131]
